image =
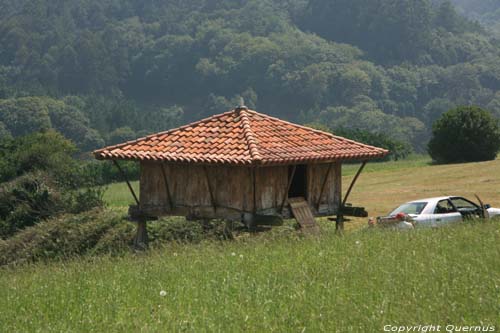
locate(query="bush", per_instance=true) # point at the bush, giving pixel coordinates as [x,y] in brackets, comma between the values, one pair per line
[178,229]
[27,200]
[465,134]
[48,151]
[96,232]
[61,237]
[31,198]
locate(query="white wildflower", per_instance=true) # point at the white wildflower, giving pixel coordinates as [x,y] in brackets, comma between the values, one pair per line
[163,293]
[358,242]
[233,254]
[241,256]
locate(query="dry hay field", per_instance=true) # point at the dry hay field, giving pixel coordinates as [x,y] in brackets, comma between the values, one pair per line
[383,186]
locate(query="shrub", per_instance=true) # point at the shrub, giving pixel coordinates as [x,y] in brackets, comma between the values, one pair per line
[96,232]
[34,197]
[27,200]
[48,151]
[465,134]
[60,237]
[84,199]
[178,229]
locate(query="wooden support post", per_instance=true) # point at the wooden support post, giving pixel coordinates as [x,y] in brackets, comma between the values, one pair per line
[353,182]
[167,187]
[141,237]
[323,186]
[339,227]
[339,224]
[285,196]
[212,196]
[128,183]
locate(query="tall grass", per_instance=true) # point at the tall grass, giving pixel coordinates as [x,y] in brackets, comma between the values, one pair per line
[359,283]
[118,194]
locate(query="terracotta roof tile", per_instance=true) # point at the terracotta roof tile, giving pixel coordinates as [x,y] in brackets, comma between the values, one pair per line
[241,137]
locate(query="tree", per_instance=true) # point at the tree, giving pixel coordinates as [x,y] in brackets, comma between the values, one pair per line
[26,115]
[48,151]
[397,149]
[465,134]
[23,116]
[120,135]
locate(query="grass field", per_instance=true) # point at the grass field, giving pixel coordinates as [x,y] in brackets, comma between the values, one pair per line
[282,281]
[118,194]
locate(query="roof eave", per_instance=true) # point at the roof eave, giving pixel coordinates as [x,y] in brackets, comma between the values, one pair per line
[100,155]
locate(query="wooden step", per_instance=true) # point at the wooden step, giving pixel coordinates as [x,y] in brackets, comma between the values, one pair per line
[302,213]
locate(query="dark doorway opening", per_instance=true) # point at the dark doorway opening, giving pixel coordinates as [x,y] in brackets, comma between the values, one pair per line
[298,187]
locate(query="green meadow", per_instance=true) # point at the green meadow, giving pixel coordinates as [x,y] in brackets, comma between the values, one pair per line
[283,281]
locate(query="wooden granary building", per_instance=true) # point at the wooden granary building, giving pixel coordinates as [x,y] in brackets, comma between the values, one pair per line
[238,163]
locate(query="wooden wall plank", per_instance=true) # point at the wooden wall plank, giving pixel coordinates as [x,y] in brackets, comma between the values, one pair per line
[232,188]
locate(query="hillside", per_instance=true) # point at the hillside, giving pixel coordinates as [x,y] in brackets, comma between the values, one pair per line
[101,72]
[485,11]
[280,280]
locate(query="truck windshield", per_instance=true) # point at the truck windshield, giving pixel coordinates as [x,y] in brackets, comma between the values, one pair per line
[410,208]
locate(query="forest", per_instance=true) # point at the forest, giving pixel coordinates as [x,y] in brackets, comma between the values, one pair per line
[101,72]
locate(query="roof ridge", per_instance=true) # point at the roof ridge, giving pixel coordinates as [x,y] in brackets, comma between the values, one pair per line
[250,137]
[331,135]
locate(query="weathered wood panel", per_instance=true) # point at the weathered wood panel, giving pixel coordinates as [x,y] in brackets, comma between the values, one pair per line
[303,214]
[330,199]
[232,189]
[152,187]
[271,186]
[338,185]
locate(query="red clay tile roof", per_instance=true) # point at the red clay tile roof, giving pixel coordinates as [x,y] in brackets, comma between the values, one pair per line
[241,137]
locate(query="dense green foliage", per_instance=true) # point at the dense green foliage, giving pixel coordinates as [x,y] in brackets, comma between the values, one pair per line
[465,134]
[392,30]
[397,149]
[356,283]
[115,70]
[40,179]
[484,11]
[33,198]
[49,152]
[98,232]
